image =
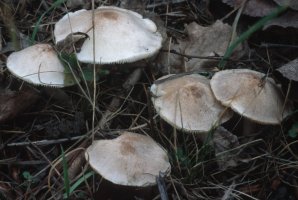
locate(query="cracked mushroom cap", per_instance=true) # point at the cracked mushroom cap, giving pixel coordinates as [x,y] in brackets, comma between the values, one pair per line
[130,159]
[120,35]
[187,103]
[251,94]
[39,65]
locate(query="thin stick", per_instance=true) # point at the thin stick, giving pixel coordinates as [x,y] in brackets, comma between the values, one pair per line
[45,142]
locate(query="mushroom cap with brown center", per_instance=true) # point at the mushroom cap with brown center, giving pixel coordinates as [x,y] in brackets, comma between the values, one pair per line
[251,94]
[39,64]
[120,35]
[187,103]
[130,159]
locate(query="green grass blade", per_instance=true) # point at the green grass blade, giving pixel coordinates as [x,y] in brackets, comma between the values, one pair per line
[249,32]
[65,174]
[54,5]
[79,182]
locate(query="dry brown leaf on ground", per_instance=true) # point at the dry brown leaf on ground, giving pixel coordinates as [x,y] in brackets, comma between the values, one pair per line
[290,70]
[224,141]
[76,165]
[208,41]
[293,4]
[254,8]
[260,8]
[170,63]
[12,102]
[288,19]
[202,41]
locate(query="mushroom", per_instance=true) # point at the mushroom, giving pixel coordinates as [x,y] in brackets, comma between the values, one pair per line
[39,65]
[251,94]
[187,103]
[120,35]
[129,160]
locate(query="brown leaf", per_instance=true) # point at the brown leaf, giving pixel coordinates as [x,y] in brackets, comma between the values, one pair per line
[12,102]
[224,142]
[290,70]
[202,43]
[76,165]
[254,8]
[170,63]
[292,4]
[288,19]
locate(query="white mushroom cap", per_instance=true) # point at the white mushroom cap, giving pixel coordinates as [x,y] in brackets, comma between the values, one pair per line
[187,103]
[39,65]
[250,94]
[120,35]
[131,159]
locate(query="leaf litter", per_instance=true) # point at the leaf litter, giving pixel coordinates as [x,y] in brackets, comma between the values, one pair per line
[10,105]
[199,41]
[224,142]
[290,70]
[260,8]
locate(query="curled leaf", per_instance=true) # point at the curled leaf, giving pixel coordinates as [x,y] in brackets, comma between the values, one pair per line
[254,8]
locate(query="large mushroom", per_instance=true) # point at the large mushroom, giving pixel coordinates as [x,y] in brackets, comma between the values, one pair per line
[251,94]
[187,103]
[120,35]
[129,160]
[39,65]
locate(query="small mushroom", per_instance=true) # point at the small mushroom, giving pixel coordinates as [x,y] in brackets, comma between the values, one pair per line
[187,103]
[251,94]
[39,65]
[120,35]
[129,160]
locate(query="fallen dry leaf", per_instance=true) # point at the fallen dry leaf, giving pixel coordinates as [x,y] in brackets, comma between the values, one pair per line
[170,63]
[12,102]
[224,141]
[292,4]
[254,8]
[76,165]
[290,70]
[288,19]
[200,42]
[260,8]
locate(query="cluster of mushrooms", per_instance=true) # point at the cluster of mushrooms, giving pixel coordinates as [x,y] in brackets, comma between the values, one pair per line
[121,36]
[193,103]
[189,102]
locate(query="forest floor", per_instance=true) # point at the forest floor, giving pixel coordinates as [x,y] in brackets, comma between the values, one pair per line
[45,131]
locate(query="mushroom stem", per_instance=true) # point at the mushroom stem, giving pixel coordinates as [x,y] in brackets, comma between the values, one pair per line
[248,127]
